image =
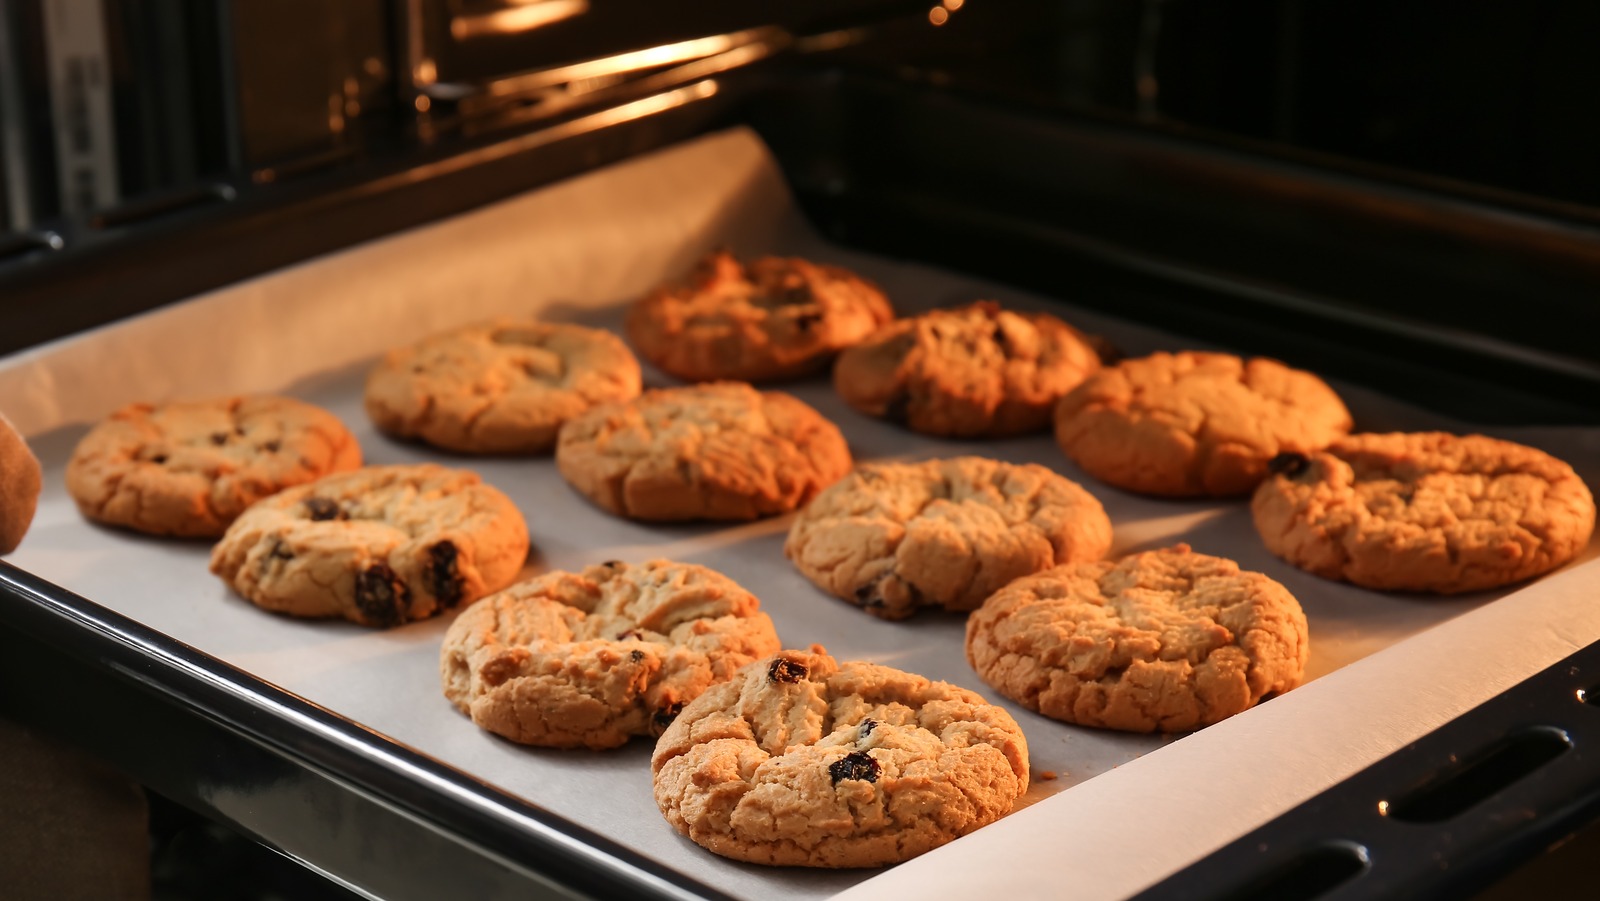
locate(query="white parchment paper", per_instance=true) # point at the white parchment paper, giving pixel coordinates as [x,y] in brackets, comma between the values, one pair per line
[1385,669]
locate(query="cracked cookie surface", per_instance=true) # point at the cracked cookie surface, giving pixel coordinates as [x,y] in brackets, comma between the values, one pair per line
[773,318]
[591,659]
[190,468]
[1195,424]
[1166,640]
[893,537]
[718,451]
[803,761]
[379,546]
[973,371]
[502,387]
[1425,511]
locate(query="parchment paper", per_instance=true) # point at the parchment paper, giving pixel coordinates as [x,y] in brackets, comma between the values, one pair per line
[1383,674]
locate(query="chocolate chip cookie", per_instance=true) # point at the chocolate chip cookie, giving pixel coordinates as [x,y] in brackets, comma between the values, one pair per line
[502,388]
[975,371]
[1195,424]
[20,480]
[1166,640]
[774,318]
[380,546]
[591,659]
[1424,511]
[718,451]
[892,537]
[803,761]
[190,468]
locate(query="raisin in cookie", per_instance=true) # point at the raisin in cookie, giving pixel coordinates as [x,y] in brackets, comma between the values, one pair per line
[591,659]
[1424,512]
[717,451]
[500,388]
[892,537]
[20,480]
[1166,640]
[379,546]
[802,761]
[774,318]
[1195,424]
[190,468]
[976,371]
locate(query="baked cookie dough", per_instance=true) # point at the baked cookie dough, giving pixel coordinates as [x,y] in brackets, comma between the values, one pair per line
[379,546]
[774,318]
[717,451]
[501,388]
[1166,640]
[803,761]
[591,659]
[1195,424]
[20,480]
[190,468]
[1424,511]
[892,537]
[973,371]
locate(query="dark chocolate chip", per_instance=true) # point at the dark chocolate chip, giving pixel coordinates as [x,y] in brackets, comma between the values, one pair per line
[321,509]
[271,447]
[636,656]
[444,577]
[1288,464]
[159,459]
[661,719]
[866,728]
[785,670]
[805,322]
[870,594]
[280,551]
[219,438]
[612,563]
[380,595]
[239,430]
[898,409]
[855,765]
[1002,342]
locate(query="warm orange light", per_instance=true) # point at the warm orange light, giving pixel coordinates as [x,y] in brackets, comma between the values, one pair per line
[938,15]
[423,103]
[954,5]
[514,20]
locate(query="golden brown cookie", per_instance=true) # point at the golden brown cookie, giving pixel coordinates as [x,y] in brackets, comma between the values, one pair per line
[1166,640]
[190,468]
[802,761]
[380,546]
[774,318]
[591,659]
[1424,511]
[974,371]
[20,480]
[892,537]
[499,388]
[1195,424]
[716,451]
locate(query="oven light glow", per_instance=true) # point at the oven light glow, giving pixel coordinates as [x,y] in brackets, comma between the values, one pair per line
[1383,808]
[1583,696]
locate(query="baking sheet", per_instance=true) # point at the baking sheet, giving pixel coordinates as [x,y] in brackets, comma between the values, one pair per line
[580,251]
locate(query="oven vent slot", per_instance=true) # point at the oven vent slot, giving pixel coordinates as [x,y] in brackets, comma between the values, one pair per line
[1462,786]
[1307,877]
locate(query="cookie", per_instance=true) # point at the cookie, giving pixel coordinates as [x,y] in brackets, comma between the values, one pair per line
[380,546]
[1424,511]
[190,468]
[892,537]
[803,761]
[501,388]
[591,659]
[1166,640]
[971,372]
[774,318]
[1195,424]
[717,451]
[20,480]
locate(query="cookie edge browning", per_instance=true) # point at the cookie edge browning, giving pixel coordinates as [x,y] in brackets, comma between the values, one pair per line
[846,851]
[1277,516]
[986,656]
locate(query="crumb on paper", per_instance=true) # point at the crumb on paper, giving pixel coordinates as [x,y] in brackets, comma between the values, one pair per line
[1047,775]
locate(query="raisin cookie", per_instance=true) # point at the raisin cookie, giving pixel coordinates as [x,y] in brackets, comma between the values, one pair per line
[802,761]
[20,480]
[500,388]
[190,468]
[1195,424]
[975,371]
[772,319]
[1424,511]
[379,546]
[591,659]
[717,451]
[1166,640]
[892,537]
